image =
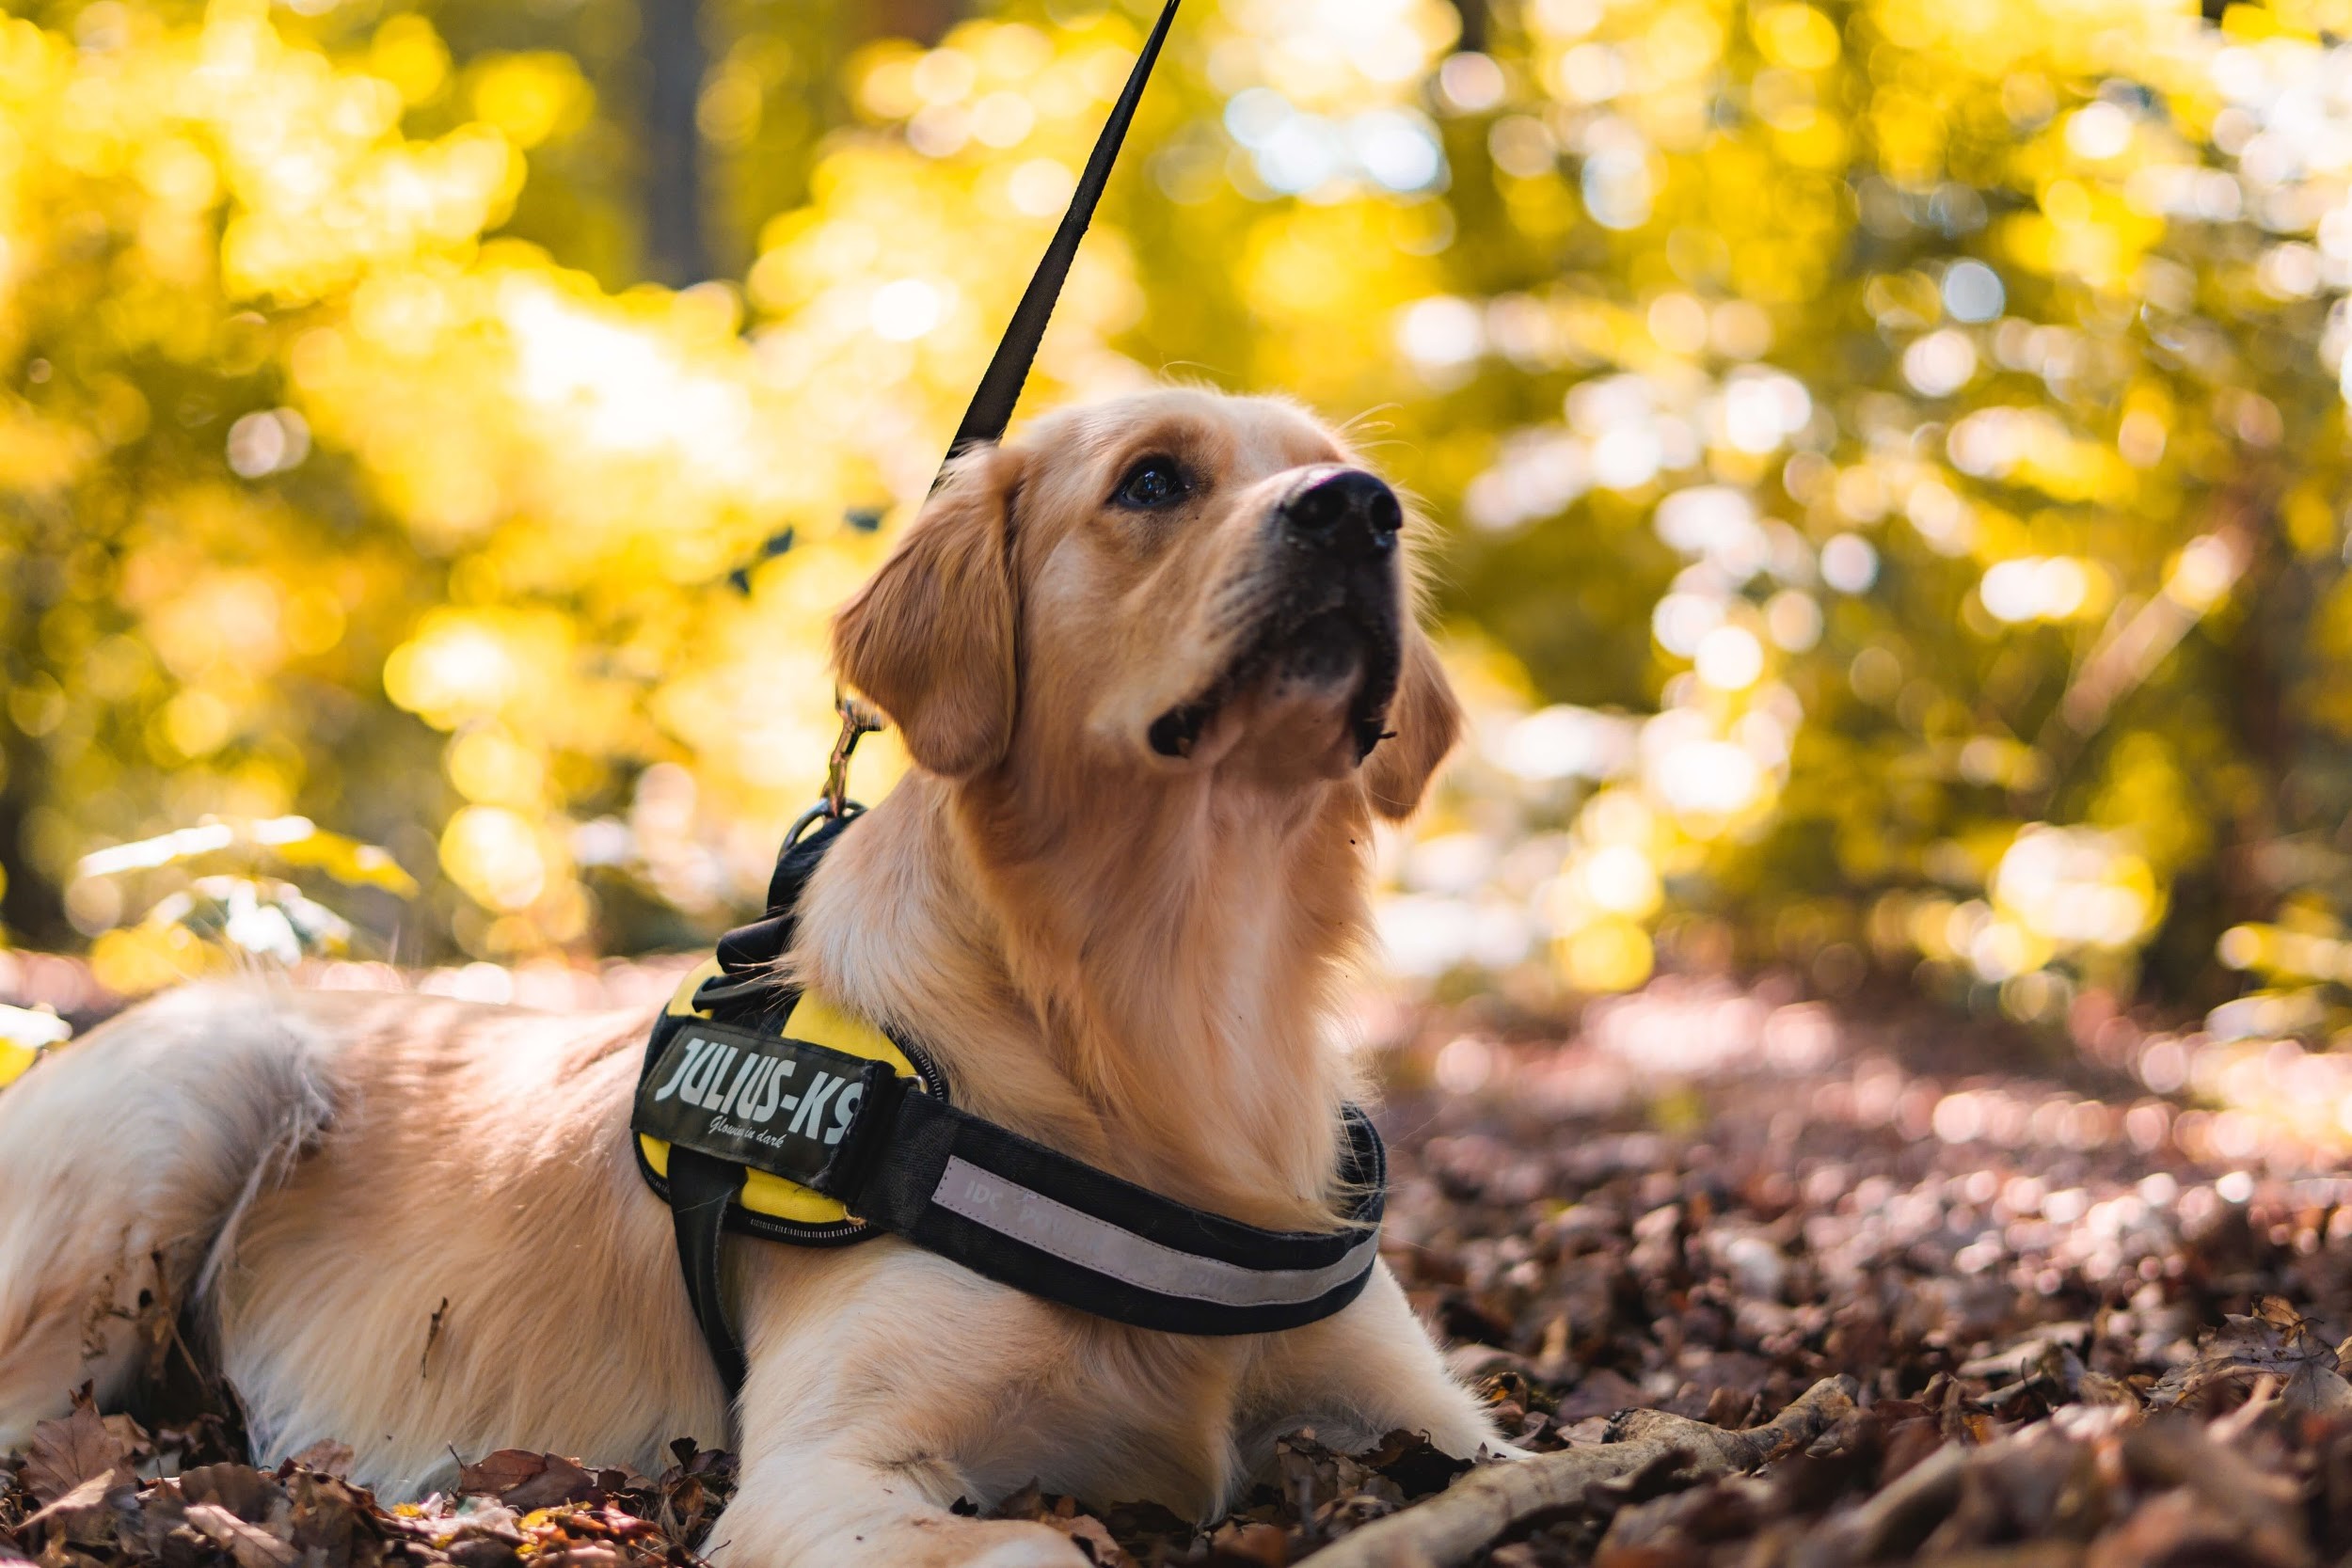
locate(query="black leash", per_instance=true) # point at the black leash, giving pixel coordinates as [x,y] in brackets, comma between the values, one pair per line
[1000,384]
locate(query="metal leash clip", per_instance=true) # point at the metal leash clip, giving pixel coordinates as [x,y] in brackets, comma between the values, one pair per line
[858,721]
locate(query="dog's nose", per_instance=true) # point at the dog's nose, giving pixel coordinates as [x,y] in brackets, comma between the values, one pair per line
[1347,512]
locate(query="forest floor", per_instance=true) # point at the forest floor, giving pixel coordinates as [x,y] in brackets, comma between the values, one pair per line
[2074,1343]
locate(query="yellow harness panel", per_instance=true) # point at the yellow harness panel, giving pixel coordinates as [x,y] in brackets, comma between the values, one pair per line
[818,1022]
[15,1058]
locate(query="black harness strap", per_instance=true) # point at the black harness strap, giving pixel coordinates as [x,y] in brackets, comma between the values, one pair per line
[702,1188]
[1031,1217]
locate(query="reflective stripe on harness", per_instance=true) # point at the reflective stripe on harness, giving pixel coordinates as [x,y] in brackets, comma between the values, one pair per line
[1030,1217]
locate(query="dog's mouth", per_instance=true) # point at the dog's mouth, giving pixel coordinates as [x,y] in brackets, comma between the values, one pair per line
[1319,641]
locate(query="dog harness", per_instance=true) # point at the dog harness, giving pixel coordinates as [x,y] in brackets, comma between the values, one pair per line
[762,1110]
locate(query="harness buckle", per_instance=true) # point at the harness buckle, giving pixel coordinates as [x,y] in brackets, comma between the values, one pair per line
[858,721]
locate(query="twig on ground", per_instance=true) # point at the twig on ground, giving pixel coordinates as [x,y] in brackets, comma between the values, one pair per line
[1490,1502]
[1897,1520]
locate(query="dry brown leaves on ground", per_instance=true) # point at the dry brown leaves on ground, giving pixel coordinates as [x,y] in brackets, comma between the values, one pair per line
[78,1499]
[2072,1346]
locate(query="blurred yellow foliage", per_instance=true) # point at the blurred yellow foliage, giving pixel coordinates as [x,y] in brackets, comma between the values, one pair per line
[1888,456]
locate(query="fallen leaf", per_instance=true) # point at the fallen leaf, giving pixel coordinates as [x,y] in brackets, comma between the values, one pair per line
[1252,1542]
[253,1495]
[482,1551]
[2273,1340]
[1602,1392]
[1416,1465]
[327,1518]
[251,1546]
[74,1513]
[67,1453]
[493,1473]
[525,1480]
[561,1481]
[327,1457]
[2168,1529]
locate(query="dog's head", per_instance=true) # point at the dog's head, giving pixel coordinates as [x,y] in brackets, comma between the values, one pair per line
[1172,585]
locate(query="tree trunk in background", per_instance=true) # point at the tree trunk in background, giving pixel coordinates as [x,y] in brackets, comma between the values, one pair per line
[924,20]
[676,63]
[1473,23]
[32,906]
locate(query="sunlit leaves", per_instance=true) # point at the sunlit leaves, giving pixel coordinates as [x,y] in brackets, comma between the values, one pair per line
[2046,282]
[25,1033]
[219,919]
[216,924]
[288,840]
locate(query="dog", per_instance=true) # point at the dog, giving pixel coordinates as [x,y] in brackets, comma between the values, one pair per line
[1158,668]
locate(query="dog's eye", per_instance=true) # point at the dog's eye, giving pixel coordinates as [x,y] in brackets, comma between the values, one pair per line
[1155,481]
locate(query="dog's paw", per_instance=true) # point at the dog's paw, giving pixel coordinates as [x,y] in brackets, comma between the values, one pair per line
[923,1541]
[1007,1544]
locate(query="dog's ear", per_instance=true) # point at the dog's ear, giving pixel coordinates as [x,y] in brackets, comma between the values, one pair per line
[1424,719]
[930,636]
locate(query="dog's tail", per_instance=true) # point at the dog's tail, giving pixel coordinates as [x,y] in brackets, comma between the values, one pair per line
[126,1158]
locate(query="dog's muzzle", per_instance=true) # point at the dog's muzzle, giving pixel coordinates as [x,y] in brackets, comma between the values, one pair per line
[1335,612]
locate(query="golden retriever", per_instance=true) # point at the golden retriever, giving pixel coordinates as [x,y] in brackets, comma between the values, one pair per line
[1157,665]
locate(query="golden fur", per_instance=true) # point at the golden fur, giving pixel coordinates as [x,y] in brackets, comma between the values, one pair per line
[415,1224]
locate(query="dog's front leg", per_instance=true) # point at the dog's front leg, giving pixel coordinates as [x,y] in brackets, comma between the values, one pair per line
[880,1380]
[807,1504]
[1370,1370]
